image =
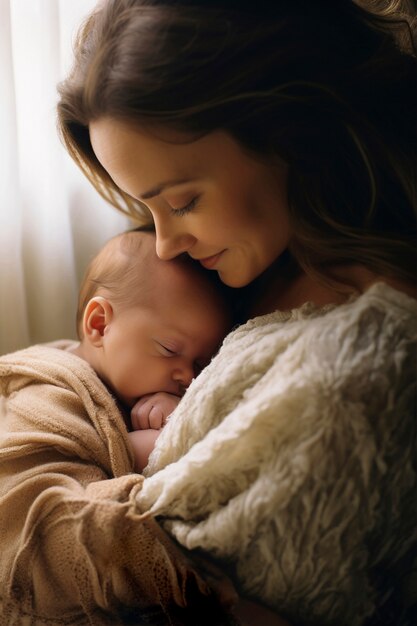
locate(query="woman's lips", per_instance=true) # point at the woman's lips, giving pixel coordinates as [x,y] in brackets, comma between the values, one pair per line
[210,261]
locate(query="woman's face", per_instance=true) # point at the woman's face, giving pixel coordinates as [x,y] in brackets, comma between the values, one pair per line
[208,197]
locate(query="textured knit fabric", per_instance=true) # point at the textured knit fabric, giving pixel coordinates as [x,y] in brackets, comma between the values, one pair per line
[291,459]
[73,550]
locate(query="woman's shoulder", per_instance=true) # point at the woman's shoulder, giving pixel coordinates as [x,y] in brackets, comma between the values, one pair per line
[374,332]
[379,296]
[380,310]
[380,304]
[395,295]
[375,321]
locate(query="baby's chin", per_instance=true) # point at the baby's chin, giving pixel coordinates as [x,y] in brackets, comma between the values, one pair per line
[129,403]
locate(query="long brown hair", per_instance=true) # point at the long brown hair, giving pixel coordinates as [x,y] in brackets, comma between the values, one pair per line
[326,85]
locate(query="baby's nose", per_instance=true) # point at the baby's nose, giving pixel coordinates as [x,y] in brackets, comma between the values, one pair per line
[184,373]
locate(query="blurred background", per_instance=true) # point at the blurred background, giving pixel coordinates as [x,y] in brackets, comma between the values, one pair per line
[51,219]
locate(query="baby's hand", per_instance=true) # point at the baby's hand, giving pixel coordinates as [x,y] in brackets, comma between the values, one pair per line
[152,411]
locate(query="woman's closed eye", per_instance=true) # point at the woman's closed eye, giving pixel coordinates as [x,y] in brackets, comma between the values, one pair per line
[180,211]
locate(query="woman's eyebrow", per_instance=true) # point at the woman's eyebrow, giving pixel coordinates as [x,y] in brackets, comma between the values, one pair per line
[155,191]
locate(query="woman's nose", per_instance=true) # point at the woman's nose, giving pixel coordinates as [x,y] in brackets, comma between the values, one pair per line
[171,242]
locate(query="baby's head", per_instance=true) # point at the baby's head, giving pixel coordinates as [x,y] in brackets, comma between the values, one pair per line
[147,325]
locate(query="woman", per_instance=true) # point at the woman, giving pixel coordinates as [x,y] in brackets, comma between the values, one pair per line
[275,145]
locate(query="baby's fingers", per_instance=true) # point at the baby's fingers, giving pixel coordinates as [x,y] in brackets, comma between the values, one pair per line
[156,418]
[140,414]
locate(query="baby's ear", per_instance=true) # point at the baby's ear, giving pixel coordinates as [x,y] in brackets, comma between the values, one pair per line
[97,316]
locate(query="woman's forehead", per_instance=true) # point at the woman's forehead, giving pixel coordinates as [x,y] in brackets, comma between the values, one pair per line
[142,161]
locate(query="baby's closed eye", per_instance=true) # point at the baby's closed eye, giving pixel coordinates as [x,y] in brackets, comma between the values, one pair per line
[166,350]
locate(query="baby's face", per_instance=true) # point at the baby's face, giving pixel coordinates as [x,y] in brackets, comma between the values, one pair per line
[164,345]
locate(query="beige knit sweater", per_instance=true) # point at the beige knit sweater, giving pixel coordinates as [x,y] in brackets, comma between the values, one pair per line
[73,549]
[292,459]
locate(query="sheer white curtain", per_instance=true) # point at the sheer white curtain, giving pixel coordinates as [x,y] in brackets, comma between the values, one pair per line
[51,219]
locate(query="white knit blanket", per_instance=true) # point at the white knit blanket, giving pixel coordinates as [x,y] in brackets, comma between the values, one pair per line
[290,457]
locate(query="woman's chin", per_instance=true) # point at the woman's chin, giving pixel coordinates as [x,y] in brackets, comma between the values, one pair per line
[232,281]
[235,279]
